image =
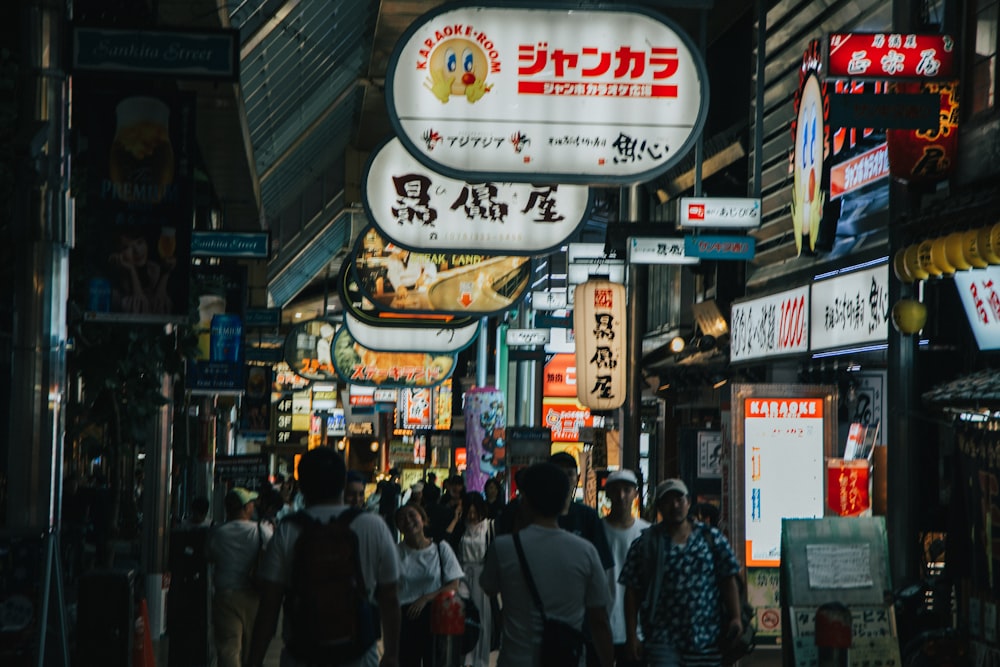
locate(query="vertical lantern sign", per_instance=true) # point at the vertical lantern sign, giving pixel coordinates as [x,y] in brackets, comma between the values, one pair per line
[599,327]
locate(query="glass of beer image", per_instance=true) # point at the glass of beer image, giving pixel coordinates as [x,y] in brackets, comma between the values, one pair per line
[209,305]
[167,243]
[142,160]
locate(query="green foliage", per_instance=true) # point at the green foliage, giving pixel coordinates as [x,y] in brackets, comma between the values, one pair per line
[121,366]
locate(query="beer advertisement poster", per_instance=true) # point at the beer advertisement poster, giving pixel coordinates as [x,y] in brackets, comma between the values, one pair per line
[134,218]
[217,306]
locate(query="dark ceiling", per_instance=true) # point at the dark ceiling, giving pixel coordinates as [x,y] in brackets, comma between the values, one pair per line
[310,103]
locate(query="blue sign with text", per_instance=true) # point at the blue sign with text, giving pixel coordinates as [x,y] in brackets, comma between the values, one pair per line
[720,247]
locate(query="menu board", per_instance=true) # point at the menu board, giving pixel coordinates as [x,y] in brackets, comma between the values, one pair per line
[784,468]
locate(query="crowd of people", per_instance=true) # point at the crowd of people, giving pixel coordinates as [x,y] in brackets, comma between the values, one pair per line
[638,593]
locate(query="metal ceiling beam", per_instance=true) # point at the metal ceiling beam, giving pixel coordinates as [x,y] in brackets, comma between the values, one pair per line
[265,30]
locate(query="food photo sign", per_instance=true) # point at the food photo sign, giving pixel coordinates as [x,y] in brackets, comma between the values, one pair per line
[534,93]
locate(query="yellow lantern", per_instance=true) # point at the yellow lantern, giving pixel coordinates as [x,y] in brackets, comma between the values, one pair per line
[985,246]
[899,266]
[913,266]
[970,249]
[939,256]
[909,316]
[925,258]
[954,251]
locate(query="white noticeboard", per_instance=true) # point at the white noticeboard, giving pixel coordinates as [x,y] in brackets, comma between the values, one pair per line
[784,459]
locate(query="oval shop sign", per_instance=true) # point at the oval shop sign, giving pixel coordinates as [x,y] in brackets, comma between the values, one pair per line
[529,93]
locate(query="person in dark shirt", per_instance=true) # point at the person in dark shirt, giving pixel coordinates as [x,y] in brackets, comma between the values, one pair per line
[432,492]
[494,498]
[577,518]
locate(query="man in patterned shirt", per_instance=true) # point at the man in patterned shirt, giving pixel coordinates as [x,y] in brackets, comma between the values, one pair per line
[676,575]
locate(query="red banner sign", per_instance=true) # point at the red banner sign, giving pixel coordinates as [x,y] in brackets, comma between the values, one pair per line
[847,484]
[890,56]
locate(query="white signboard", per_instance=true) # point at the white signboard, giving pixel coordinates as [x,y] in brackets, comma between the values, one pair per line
[667,250]
[592,95]
[978,292]
[588,259]
[784,470]
[560,340]
[851,309]
[770,325]
[386,395]
[546,300]
[423,210]
[524,337]
[391,338]
[719,212]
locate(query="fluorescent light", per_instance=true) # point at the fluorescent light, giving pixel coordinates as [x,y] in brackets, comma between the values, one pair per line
[849,269]
[853,350]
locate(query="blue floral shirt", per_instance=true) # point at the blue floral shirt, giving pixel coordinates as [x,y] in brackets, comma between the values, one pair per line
[686,611]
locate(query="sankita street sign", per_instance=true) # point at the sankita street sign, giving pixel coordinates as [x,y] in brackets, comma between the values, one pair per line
[250,245]
[719,212]
[533,93]
[188,54]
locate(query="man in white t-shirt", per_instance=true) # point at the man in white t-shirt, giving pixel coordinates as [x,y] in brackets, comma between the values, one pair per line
[566,570]
[234,548]
[621,529]
[322,476]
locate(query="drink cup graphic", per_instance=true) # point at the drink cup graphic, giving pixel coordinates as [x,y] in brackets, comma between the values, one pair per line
[142,159]
[209,305]
[226,337]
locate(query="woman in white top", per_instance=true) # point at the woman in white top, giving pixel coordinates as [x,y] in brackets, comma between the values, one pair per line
[425,570]
[472,545]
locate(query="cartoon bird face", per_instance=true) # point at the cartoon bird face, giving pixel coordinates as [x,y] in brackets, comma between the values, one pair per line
[460,62]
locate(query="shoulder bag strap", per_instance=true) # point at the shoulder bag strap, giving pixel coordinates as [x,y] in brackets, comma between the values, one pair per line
[653,592]
[441,565]
[527,576]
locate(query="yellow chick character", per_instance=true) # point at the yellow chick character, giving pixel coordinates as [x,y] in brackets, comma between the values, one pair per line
[458,67]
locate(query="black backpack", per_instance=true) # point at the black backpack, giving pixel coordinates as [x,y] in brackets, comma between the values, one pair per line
[328,619]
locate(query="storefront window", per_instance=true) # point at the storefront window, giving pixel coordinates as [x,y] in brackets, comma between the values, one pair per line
[984,60]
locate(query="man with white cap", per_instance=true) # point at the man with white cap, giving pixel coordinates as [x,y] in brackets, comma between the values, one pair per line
[621,528]
[677,574]
[235,547]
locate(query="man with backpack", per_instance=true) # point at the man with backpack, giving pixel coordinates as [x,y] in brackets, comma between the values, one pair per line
[327,564]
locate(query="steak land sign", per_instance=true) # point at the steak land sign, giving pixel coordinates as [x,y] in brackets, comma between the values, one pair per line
[528,93]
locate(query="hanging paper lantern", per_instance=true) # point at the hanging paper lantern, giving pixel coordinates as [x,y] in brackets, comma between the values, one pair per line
[599,328]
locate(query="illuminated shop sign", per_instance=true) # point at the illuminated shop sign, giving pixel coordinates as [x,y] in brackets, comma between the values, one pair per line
[425,339]
[357,364]
[423,210]
[720,247]
[565,417]
[811,133]
[770,325]
[662,250]
[540,94]
[851,309]
[883,55]
[784,470]
[978,293]
[719,212]
[857,172]
[599,324]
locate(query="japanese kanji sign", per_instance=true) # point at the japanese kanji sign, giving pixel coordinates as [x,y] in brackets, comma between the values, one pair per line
[599,323]
[978,293]
[850,309]
[356,364]
[527,93]
[890,56]
[770,325]
[420,209]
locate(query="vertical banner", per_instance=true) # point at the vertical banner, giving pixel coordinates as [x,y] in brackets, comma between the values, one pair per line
[255,409]
[599,327]
[218,303]
[485,436]
[134,225]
